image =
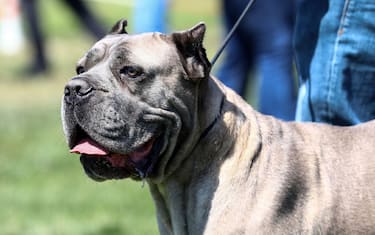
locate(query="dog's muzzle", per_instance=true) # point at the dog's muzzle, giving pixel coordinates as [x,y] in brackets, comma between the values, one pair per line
[77,89]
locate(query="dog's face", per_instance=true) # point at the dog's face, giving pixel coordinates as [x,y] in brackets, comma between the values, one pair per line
[132,102]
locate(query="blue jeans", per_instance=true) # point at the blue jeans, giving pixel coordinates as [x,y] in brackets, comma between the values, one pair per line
[150,16]
[335,53]
[262,42]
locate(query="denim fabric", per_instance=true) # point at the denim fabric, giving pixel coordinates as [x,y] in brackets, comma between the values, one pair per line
[338,82]
[263,42]
[150,16]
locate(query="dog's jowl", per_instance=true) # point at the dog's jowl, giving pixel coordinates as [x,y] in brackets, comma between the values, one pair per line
[146,107]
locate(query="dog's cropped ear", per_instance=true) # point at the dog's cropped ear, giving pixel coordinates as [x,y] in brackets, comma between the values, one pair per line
[119,27]
[189,44]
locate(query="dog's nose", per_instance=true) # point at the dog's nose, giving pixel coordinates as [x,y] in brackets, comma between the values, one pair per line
[77,88]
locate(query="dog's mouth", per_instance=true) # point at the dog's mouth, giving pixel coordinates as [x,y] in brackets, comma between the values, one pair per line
[101,164]
[90,148]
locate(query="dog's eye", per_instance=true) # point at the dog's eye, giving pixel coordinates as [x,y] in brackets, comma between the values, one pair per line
[80,69]
[130,71]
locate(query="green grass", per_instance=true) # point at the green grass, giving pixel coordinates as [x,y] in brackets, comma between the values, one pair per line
[43,189]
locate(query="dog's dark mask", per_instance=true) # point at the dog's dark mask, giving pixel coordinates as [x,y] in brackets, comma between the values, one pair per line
[130,105]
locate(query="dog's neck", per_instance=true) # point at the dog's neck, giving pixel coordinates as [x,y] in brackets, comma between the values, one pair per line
[181,204]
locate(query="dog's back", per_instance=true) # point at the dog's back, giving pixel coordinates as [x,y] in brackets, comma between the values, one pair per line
[304,178]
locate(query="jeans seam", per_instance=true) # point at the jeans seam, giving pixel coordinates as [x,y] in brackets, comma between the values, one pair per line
[333,68]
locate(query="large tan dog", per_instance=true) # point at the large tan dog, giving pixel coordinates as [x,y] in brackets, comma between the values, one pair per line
[144,106]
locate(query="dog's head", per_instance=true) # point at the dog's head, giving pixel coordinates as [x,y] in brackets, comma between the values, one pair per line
[131,105]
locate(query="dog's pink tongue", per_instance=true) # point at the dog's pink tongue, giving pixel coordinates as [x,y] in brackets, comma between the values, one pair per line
[89,147]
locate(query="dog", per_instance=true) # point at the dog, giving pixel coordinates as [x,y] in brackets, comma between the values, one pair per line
[145,107]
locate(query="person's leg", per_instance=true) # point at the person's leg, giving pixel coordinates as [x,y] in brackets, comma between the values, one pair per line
[31,14]
[309,15]
[277,88]
[235,67]
[87,17]
[342,69]
[268,28]
[150,16]
[271,42]
[237,59]
[275,58]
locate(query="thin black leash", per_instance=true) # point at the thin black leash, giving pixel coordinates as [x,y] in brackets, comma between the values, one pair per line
[230,34]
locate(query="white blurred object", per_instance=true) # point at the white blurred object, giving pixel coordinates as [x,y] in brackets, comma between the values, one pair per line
[11,34]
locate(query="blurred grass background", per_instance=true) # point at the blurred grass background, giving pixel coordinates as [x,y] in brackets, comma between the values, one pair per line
[43,189]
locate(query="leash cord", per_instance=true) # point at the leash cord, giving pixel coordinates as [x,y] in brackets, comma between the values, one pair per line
[230,34]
